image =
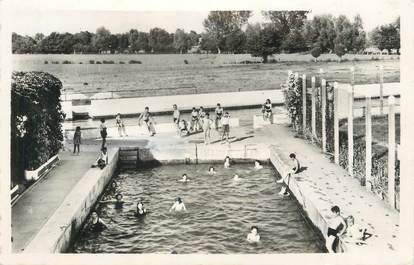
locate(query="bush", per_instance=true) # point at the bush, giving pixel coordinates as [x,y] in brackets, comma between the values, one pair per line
[316,52]
[98,62]
[108,62]
[134,62]
[185,61]
[46,62]
[121,62]
[91,61]
[80,63]
[66,62]
[36,117]
[293,100]
[55,62]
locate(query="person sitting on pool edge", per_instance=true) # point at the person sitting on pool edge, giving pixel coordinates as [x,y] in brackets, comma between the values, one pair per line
[184,178]
[295,167]
[211,171]
[337,228]
[354,233]
[257,165]
[141,210]
[284,191]
[96,224]
[178,206]
[183,126]
[102,160]
[253,236]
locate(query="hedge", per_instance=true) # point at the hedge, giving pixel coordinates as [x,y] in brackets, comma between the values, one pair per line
[36,121]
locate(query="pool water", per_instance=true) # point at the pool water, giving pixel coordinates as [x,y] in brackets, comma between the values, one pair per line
[220,212]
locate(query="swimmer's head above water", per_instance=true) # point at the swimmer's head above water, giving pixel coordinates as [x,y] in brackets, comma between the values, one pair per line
[119,197]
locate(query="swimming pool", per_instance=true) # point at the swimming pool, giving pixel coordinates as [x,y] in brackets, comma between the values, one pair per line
[220,214]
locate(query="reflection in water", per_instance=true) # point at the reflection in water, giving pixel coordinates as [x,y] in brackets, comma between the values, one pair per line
[220,214]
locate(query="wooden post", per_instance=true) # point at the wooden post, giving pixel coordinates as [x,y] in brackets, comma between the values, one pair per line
[336,123]
[368,144]
[352,80]
[391,151]
[304,92]
[350,133]
[381,79]
[323,110]
[313,106]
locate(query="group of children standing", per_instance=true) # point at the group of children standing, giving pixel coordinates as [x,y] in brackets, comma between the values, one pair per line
[200,121]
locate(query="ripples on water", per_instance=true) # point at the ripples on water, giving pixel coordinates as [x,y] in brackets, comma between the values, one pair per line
[220,213]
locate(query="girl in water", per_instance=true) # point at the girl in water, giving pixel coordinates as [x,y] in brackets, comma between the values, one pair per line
[227,162]
[149,121]
[184,178]
[121,126]
[96,224]
[119,202]
[267,111]
[236,177]
[253,236]
[178,206]
[219,113]
[211,171]
[295,167]
[176,118]
[77,139]
[257,165]
[141,210]
[336,229]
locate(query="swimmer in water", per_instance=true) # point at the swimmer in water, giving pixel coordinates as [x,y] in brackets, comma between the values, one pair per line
[184,178]
[211,171]
[236,177]
[96,224]
[178,206]
[295,167]
[257,165]
[141,210]
[227,162]
[118,201]
[337,228]
[253,236]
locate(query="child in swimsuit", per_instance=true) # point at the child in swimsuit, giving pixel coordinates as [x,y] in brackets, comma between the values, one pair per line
[176,117]
[97,224]
[183,128]
[141,210]
[253,236]
[336,229]
[194,120]
[354,233]
[207,123]
[149,121]
[226,127]
[201,117]
[121,126]
[267,111]
[77,139]
[102,130]
[219,113]
[178,206]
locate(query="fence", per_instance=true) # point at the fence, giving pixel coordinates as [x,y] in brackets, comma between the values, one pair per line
[357,126]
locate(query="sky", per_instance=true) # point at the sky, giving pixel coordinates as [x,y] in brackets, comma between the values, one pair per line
[31,16]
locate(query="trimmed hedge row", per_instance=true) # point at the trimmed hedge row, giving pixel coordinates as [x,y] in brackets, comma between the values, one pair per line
[36,117]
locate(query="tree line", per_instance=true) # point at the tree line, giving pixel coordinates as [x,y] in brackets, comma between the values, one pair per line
[227,32]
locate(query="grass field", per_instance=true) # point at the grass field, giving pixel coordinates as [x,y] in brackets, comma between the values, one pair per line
[168,74]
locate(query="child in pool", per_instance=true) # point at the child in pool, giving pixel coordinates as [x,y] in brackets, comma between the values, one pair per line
[184,178]
[141,210]
[211,171]
[96,224]
[236,177]
[253,236]
[227,162]
[119,202]
[178,206]
[257,165]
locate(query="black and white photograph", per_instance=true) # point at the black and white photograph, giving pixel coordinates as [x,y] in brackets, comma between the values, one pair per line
[176,131]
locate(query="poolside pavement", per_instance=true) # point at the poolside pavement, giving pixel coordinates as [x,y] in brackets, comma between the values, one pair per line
[327,183]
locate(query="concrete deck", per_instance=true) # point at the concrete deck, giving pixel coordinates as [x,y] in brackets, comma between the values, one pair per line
[324,183]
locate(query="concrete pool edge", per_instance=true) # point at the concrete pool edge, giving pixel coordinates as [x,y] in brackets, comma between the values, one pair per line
[57,233]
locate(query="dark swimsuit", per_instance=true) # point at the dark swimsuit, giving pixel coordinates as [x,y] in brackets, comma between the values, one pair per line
[138,214]
[268,107]
[97,227]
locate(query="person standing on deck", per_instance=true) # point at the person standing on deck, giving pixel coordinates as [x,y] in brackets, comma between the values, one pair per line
[121,126]
[219,114]
[207,129]
[77,139]
[149,121]
[194,120]
[201,117]
[176,118]
[337,227]
[104,134]
[267,111]
[226,127]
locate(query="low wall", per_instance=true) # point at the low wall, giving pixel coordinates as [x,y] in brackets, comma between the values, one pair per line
[58,232]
